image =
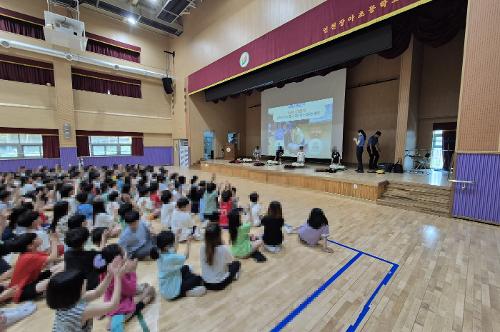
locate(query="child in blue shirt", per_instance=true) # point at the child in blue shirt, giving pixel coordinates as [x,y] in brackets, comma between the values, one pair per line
[84,207]
[136,239]
[176,280]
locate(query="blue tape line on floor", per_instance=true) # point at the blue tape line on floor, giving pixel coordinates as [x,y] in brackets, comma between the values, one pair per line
[366,307]
[314,295]
[364,253]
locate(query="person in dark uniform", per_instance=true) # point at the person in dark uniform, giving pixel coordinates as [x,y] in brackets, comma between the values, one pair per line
[373,149]
[360,145]
[279,154]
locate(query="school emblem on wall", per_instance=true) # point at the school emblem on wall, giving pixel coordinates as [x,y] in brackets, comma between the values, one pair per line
[244,59]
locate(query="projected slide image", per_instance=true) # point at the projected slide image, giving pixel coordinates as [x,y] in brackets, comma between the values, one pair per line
[307,124]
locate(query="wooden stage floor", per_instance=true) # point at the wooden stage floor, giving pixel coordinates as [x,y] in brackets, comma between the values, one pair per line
[348,183]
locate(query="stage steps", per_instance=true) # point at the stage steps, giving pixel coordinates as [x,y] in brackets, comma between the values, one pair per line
[416,197]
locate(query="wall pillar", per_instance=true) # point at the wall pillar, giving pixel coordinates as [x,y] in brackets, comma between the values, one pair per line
[65,112]
[409,90]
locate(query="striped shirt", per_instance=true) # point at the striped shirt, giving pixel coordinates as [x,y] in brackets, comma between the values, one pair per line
[70,320]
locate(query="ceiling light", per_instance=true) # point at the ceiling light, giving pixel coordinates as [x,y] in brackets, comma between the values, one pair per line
[131,20]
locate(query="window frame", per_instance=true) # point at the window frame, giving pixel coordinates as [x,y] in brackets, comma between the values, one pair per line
[116,145]
[20,147]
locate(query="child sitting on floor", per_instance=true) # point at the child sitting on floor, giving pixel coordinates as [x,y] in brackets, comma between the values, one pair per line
[273,222]
[226,206]
[136,239]
[103,219]
[76,258]
[134,297]
[175,279]
[30,222]
[315,230]
[30,275]
[84,207]
[255,209]
[183,222]
[167,209]
[66,294]
[243,244]
[218,267]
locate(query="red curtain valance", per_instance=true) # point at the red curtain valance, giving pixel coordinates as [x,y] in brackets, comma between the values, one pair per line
[113,51]
[19,27]
[26,71]
[107,133]
[113,42]
[8,130]
[103,83]
[31,26]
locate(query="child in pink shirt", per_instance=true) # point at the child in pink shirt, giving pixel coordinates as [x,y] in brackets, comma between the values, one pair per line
[134,297]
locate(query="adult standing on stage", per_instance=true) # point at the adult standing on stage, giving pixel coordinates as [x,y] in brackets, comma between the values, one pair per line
[373,149]
[360,145]
[279,154]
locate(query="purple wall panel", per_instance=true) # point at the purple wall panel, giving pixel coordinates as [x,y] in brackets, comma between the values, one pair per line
[68,157]
[156,156]
[481,200]
[14,164]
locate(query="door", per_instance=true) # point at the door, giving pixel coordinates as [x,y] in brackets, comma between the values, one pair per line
[208,144]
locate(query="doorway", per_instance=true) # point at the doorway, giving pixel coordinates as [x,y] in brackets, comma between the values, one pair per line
[443,146]
[208,144]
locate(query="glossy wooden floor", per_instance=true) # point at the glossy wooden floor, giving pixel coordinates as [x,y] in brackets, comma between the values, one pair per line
[448,279]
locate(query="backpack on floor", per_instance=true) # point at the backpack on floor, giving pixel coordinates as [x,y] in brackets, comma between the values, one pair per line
[398,168]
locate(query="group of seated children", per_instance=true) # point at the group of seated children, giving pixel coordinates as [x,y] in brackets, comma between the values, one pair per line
[61,225]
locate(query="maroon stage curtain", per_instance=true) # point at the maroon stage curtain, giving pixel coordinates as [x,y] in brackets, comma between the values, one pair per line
[82,146]
[24,73]
[113,51]
[21,27]
[107,84]
[137,146]
[50,146]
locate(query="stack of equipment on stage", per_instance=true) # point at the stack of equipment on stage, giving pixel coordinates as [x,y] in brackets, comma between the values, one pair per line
[272,162]
[387,167]
[294,165]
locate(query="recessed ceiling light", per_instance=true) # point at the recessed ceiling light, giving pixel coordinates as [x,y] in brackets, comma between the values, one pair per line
[131,20]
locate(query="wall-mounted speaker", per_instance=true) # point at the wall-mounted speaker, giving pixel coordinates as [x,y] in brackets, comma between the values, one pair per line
[168,85]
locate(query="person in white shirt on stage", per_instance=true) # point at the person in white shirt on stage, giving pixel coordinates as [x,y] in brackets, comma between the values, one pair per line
[256,153]
[301,156]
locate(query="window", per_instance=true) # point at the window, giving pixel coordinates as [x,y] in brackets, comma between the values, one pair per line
[437,150]
[21,146]
[110,146]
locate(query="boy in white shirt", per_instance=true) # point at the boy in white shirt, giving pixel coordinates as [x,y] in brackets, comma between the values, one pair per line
[255,209]
[182,222]
[167,209]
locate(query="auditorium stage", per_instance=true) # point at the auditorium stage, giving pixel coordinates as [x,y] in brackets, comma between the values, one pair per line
[348,183]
